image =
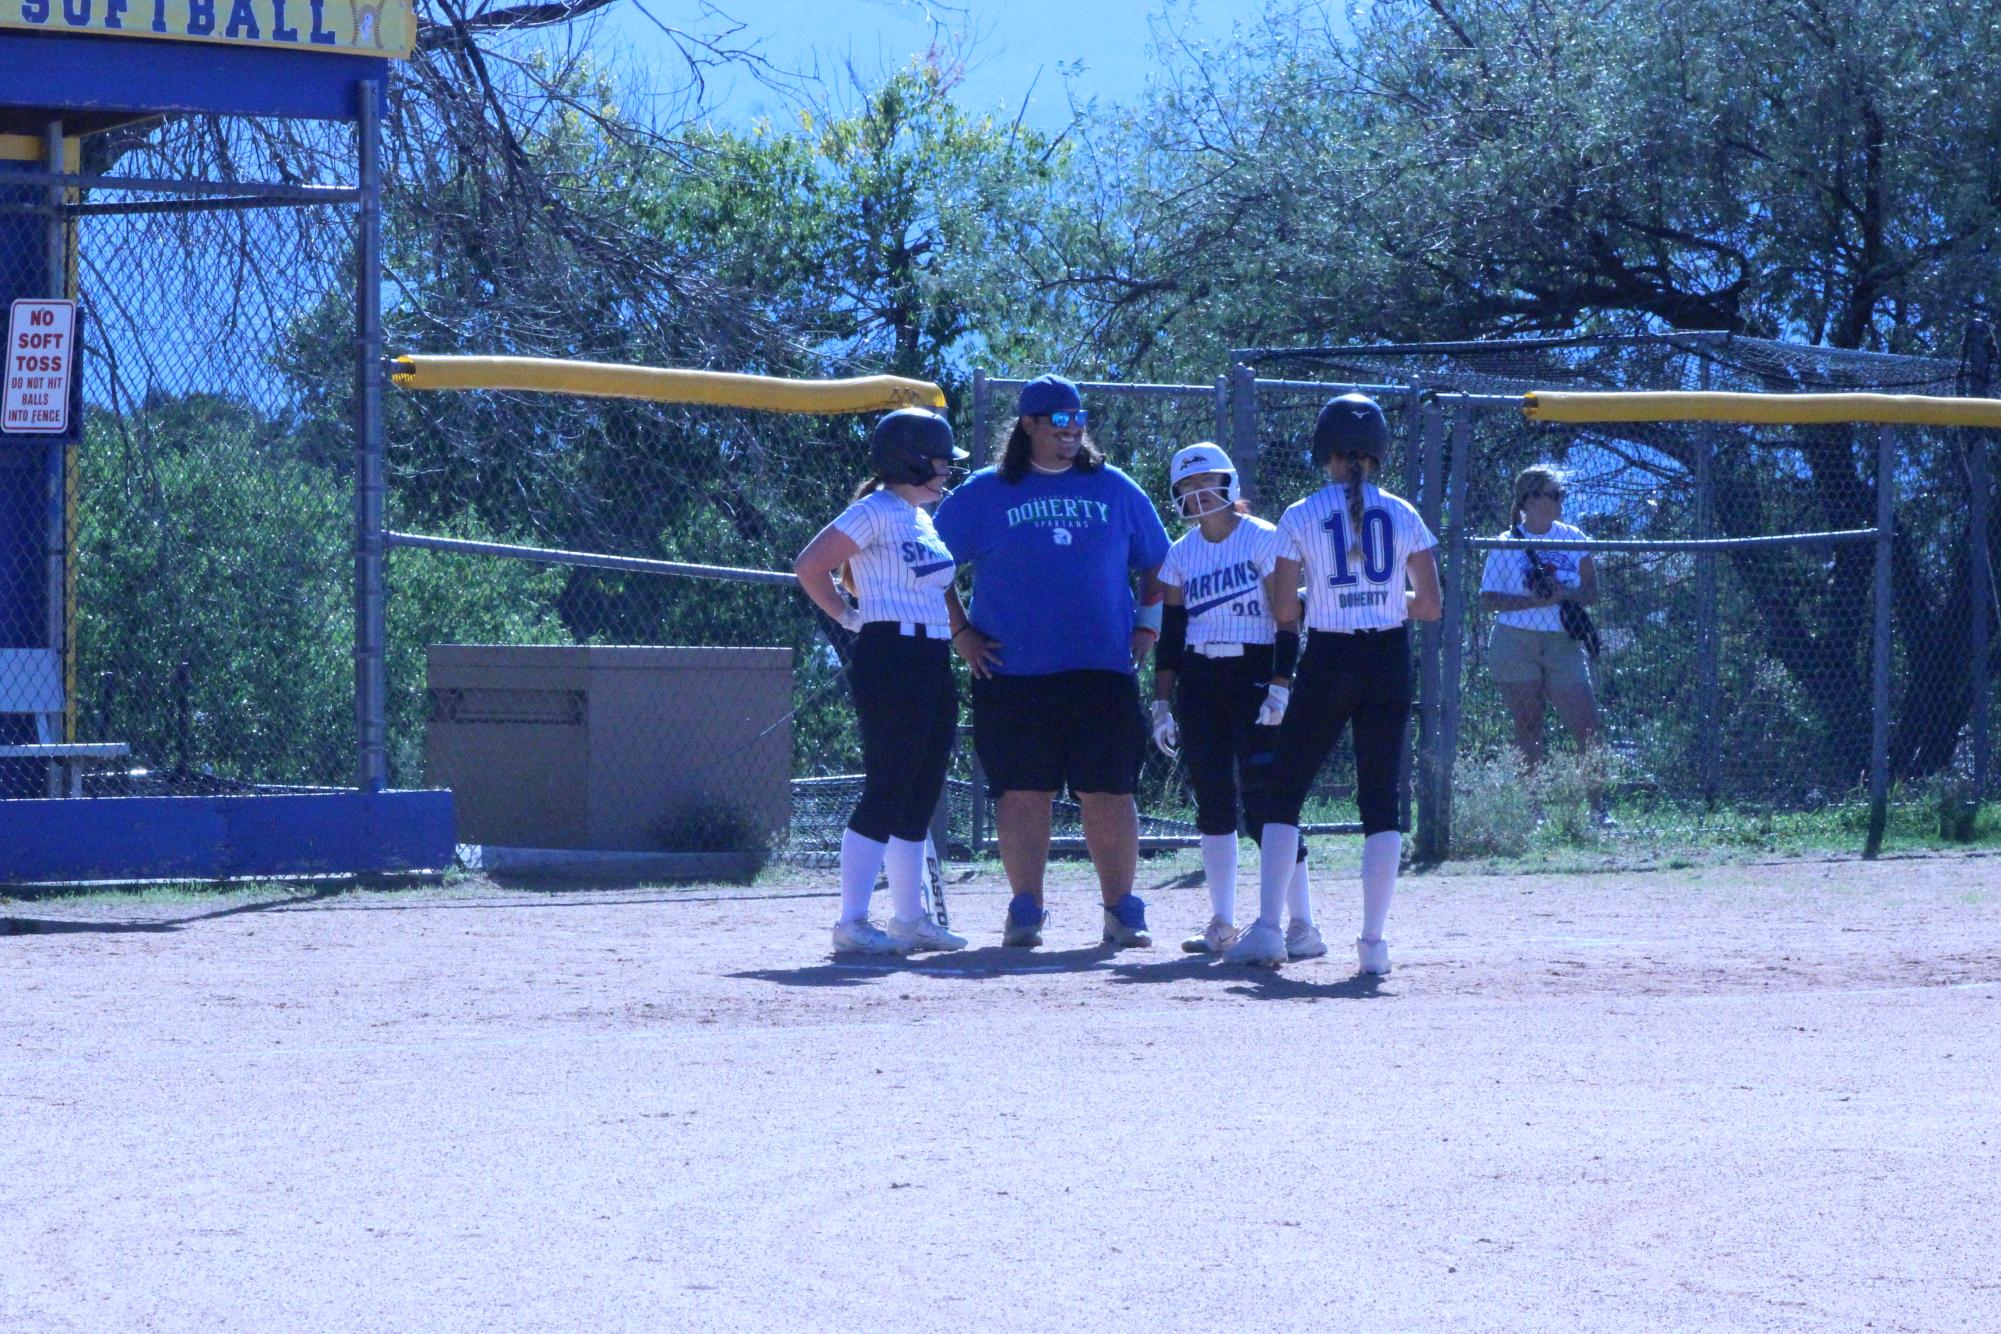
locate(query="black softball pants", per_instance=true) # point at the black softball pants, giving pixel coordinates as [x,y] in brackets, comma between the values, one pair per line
[1364,677]
[1226,753]
[907,706]
[1230,760]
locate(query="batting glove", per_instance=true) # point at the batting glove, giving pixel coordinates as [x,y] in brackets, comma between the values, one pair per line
[1272,712]
[851,620]
[1166,732]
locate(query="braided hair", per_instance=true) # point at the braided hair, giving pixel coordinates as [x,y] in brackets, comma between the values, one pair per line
[1359,468]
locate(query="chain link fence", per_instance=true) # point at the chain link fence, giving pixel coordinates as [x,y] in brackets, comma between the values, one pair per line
[181,582]
[1736,678]
[187,594]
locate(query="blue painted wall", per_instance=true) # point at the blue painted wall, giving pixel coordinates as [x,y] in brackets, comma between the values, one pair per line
[224,838]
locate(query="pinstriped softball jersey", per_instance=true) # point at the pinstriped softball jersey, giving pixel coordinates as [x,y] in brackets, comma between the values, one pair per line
[1342,591]
[1222,583]
[902,569]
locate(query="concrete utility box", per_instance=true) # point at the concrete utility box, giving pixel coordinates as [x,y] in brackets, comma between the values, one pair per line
[611,748]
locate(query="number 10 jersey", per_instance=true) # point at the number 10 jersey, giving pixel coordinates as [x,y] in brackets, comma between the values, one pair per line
[1348,590]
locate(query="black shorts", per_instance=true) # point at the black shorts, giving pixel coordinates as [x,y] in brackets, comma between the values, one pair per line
[1083,730]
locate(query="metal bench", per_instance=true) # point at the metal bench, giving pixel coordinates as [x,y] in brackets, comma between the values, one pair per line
[31,683]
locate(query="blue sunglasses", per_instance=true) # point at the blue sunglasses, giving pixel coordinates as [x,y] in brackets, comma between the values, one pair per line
[1078,418]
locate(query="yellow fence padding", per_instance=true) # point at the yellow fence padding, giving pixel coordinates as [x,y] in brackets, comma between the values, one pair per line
[1763,409]
[765,393]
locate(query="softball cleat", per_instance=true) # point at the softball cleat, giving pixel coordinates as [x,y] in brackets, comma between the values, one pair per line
[1262,946]
[861,937]
[1374,956]
[922,934]
[1302,941]
[1214,938]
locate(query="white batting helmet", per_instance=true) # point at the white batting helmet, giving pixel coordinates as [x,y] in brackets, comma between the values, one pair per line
[1191,462]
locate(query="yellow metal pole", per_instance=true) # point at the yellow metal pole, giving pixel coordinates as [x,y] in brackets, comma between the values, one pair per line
[662,385]
[1763,409]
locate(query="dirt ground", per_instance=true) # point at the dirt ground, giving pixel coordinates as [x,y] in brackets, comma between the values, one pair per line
[1749,1097]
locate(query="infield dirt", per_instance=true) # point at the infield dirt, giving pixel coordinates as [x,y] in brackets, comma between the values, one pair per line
[1733,1097]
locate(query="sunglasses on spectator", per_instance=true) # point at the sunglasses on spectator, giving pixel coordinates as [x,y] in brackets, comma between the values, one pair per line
[1078,418]
[1556,495]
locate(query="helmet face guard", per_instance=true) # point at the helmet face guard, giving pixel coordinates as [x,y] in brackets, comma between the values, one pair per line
[906,443]
[1195,461]
[1199,502]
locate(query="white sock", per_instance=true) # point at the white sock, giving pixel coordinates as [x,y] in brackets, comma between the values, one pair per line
[861,860]
[1298,899]
[1219,867]
[1278,850]
[905,863]
[1380,855]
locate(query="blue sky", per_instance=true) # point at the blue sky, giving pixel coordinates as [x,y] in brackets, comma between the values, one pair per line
[1041,51]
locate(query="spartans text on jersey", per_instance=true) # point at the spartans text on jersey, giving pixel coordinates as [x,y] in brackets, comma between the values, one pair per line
[1219,586]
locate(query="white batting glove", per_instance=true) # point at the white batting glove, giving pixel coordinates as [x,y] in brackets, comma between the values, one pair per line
[1272,712]
[851,620]
[1166,732]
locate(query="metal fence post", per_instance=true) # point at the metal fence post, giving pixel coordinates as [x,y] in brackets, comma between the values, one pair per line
[1983,606]
[371,683]
[1452,621]
[1879,728]
[982,443]
[1244,448]
[1430,758]
[55,511]
[1708,678]
[1222,406]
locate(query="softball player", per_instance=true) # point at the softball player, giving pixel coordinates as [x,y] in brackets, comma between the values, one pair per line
[1357,546]
[1225,666]
[900,672]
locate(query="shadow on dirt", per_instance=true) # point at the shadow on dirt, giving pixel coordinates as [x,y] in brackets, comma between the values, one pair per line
[1243,980]
[847,970]
[58,926]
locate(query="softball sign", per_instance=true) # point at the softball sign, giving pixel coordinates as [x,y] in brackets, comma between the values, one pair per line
[41,365]
[353,27]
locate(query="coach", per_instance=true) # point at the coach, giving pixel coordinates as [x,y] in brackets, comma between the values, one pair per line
[1054,535]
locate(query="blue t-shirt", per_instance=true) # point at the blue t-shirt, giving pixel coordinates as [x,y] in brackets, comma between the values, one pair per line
[1052,556]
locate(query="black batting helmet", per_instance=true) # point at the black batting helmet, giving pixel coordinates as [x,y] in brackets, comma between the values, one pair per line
[1350,424]
[905,442]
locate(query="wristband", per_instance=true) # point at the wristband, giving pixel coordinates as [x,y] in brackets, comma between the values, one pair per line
[1147,618]
[1173,636]
[1285,652]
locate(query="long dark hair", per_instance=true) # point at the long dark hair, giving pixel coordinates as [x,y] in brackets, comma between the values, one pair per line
[1014,463]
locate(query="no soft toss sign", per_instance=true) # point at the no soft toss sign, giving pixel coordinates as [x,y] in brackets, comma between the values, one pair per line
[41,362]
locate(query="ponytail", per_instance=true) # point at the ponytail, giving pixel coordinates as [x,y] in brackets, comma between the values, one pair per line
[1358,476]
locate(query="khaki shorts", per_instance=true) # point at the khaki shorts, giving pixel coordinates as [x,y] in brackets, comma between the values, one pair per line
[1548,658]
